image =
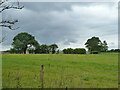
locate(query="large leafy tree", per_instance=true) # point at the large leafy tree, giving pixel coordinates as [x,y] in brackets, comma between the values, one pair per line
[24,40]
[53,48]
[94,44]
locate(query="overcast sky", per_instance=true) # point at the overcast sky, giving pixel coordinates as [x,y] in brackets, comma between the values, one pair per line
[66,24]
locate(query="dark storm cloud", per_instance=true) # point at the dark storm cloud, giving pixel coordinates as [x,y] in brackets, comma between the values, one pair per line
[67,24]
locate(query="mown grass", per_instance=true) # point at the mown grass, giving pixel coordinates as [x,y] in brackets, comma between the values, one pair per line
[60,71]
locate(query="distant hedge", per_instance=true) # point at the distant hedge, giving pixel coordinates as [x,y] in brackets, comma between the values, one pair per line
[79,51]
[114,50]
[95,52]
[74,51]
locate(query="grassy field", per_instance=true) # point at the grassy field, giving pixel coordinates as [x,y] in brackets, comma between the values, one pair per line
[60,71]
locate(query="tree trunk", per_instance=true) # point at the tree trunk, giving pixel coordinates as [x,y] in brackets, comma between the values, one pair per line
[24,51]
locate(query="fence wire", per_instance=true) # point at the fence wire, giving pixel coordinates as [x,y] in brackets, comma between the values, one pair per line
[60,78]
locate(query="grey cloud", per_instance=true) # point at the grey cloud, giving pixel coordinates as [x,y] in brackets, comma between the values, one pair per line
[43,7]
[67,42]
[112,45]
[60,22]
[57,6]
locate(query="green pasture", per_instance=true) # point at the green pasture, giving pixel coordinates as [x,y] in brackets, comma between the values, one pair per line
[60,71]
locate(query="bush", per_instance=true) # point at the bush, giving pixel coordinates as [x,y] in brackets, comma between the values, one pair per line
[13,50]
[114,50]
[57,52]
[68,51]
[74,51]
[79,51]
[95,52]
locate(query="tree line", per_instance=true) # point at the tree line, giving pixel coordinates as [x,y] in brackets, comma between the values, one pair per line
[74,51]
[24,42]
[114,50]
[94,46]
[41,49]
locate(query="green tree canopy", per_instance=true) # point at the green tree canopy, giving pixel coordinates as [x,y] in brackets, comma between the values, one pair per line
[94,44]
[44,48]
[53,48]
[68,51]
[22,40]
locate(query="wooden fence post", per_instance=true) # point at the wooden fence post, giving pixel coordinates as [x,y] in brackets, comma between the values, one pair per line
[66,88]
[42,75]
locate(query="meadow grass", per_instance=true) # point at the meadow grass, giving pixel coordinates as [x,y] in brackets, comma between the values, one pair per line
[60,70]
